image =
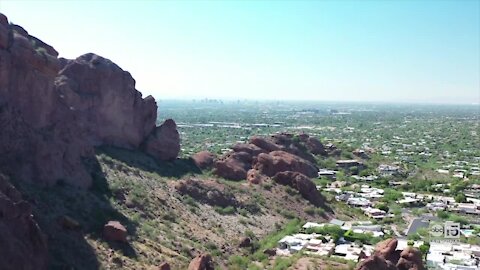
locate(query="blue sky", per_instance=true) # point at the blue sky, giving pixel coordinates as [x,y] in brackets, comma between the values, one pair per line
[408,51]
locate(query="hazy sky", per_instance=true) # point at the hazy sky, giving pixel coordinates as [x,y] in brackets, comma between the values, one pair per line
[426,51]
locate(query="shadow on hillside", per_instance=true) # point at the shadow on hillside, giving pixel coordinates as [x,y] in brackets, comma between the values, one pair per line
[176,168]
[92,209]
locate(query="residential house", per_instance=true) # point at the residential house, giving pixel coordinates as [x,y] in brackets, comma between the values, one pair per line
[375,213]
[290,244]
[330,174]
[388,170]
[448,255]
[353,251]
[348,163]
[359,202]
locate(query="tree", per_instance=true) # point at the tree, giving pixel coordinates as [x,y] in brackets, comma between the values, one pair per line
[460,198]
[414,237]
[391,195]
[424,248]
[443,214]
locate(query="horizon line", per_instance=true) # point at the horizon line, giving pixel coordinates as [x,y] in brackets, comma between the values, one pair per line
[405,102]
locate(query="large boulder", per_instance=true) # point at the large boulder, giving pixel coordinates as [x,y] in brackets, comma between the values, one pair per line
[105,98]
[250,148]
[115,231]
[376,262]
[22,244]
[202,262]
[302,183]
[387,249]
[410,259]
[281,161]
[234,166]
[164,266]
[164,142]
[386,257]
[265,144]
[315,146]
[203,160]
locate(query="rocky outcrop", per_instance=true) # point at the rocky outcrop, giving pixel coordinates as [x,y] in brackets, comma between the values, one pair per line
[265,144]
[202,262]
[410,259]
[22,244]
[255,177]
[115,231]
[54,111]
[302,183]
[269,155]
[282,156]
[164,142]
[164,266]
[386,257]
[249,148]
[104,97]
[315,146]
[280,161]
[234,166]
[203,160]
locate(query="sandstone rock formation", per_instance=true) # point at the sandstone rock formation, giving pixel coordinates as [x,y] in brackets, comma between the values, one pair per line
[279,152]
[203,160]
[115,231]
[286,158]
[234,166]
[265,144]
[53,111]
[249,148]
[386,257]
[315,146]
[22,244]
[164,266]
[255,177]
[105,99]
[302,183]
[280,161]
[164,142]
[202,262]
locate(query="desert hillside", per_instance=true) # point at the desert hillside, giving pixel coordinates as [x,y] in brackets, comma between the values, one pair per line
[88,180]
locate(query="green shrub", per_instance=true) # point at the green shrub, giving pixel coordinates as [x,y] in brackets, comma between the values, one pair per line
[267,186]
[310,211]
[190,201]
[287,214]
[229,210]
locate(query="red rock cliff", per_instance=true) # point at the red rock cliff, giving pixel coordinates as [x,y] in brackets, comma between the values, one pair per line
[53,111]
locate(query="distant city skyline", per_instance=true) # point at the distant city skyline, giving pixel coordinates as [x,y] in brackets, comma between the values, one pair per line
[355,51]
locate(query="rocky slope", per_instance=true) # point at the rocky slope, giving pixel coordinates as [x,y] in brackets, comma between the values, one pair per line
[53,111]
[20,236]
